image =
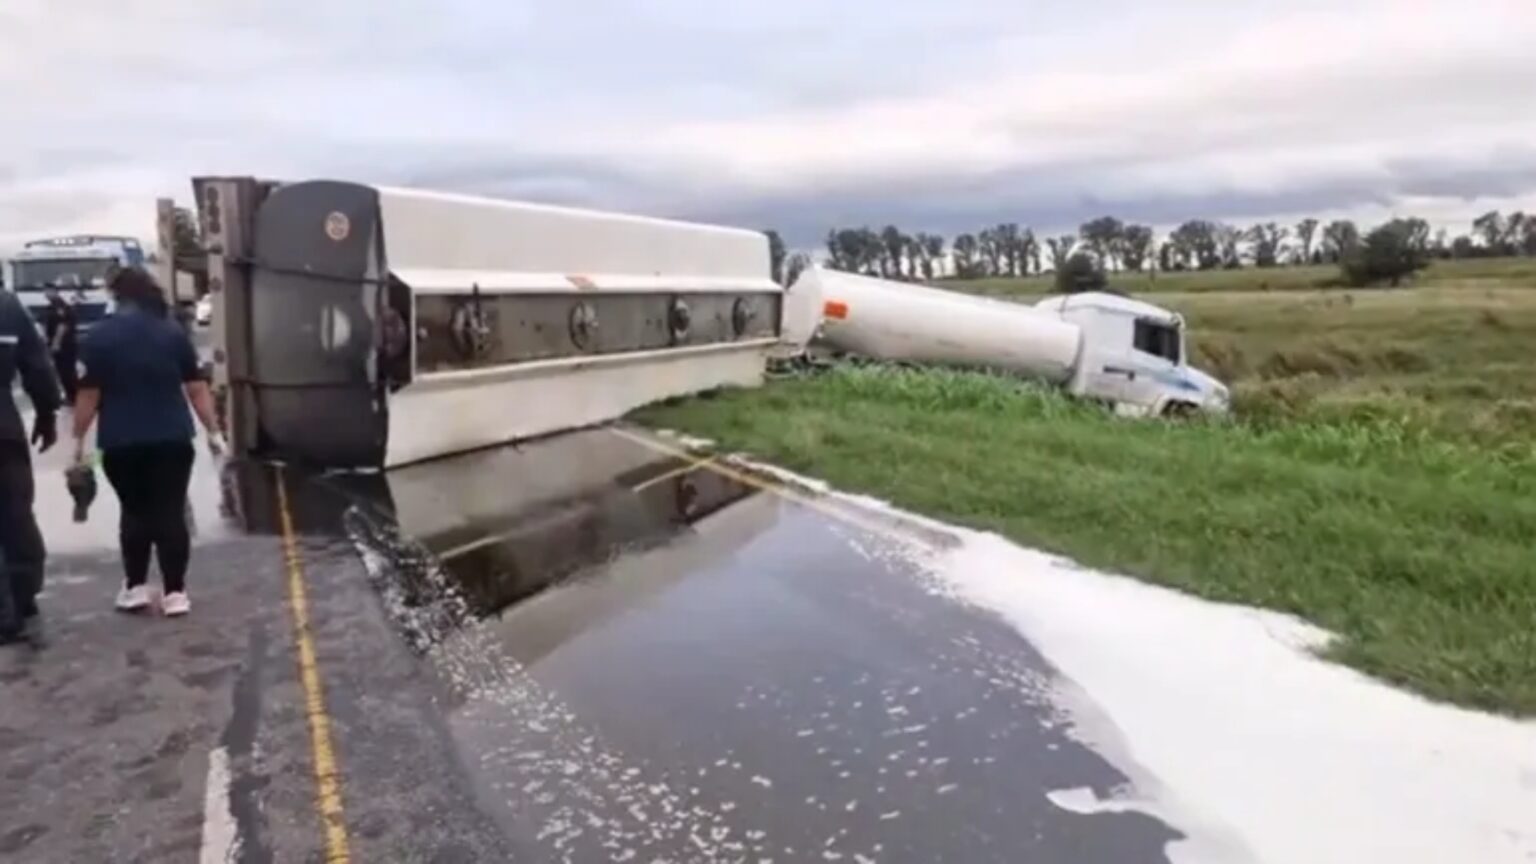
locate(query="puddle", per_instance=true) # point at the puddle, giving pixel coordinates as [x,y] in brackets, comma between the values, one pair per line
[648,660]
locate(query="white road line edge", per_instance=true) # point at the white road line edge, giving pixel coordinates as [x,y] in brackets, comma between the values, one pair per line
[221,839]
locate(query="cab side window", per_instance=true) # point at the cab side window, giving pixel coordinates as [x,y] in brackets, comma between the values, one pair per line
[1157,339]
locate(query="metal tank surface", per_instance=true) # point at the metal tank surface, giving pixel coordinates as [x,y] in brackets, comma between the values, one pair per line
[362,326]
[896,321]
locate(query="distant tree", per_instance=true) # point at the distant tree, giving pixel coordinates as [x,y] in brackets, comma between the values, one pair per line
[966,250]
[854,250]
[1528,240]
[1439,247]
[1102,237]
[1060,248]
[795,265]
[188,235]
[1463,247]
[1081,272]
[933,254]
[845,249]
[837,256]
[1196,245]
[1515,228]
[1417,232]
[1006,236]
[1389,253]
[991,251]
[1339,238]
[1306,232]
[1135,246]
[917,256]
[1165,257]
[1229,241]
[1266,240]
[914,254]
[776,254]
[893,248]
[1491,228]
[871,251]
[1030,246]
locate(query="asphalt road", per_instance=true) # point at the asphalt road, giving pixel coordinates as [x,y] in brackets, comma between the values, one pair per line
[578,650]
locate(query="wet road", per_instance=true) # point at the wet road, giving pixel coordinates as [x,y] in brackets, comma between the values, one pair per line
[583,649]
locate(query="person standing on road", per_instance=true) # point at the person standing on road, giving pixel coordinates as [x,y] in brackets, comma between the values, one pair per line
[141,371]
[21,573]
[62,329]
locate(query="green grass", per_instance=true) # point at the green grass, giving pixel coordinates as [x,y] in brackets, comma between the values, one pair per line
[1471,273]
[1419,549]
[1458,362]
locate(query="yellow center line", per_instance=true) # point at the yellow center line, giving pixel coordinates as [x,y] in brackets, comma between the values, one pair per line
[327,775]
[689,466]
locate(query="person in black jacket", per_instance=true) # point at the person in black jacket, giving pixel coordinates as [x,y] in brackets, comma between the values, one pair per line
[62,328]
[22,351]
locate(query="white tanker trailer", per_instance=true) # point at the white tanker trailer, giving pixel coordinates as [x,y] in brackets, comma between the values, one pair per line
[363,326]
[1097,346]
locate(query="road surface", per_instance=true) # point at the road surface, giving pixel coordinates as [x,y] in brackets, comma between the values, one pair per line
[579,650]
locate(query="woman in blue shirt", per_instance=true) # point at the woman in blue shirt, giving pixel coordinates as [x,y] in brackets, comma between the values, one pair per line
[140,372]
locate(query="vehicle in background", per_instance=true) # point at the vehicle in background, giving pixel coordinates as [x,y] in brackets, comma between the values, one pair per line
[1098,346]
[77,265]
[204,311]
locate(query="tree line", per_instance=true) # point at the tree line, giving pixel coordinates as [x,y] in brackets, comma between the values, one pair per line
[1108,244]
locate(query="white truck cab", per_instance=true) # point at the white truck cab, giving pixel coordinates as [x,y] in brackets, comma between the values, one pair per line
[77,266]
[1134,355]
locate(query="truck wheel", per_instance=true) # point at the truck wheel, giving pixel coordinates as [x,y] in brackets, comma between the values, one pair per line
[1178,411]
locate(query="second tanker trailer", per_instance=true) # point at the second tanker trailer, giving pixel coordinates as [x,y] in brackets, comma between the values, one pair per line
[1098,346]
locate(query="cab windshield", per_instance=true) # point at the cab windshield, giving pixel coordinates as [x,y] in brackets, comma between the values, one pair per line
[64,273]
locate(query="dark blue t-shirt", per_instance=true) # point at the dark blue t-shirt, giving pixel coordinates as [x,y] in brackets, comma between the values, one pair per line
[141,363]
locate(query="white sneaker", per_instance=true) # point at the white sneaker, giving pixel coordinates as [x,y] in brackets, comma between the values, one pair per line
[176,605]
[133,599]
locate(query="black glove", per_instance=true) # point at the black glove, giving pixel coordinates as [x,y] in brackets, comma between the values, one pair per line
[45,431]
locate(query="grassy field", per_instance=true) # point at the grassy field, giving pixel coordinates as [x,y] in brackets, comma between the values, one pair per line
[1379,480]
[1457,363]
[1471,273]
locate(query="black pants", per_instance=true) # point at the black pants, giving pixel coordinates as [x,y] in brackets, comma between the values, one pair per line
[64,365]
[151,484]
[21,574]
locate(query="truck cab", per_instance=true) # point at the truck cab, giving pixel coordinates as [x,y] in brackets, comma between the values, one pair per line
[1134,356]
[77,266]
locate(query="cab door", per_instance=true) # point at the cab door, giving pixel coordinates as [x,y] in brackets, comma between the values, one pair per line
[1108,370]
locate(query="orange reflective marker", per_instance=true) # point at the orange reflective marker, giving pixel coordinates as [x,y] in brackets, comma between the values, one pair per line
[835,309]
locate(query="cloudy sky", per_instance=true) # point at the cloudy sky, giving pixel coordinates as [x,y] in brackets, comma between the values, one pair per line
[796,114]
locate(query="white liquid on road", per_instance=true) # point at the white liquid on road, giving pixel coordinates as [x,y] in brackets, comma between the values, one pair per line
[1233,730]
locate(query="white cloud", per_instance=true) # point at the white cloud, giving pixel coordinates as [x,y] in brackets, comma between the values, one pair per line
[792,112]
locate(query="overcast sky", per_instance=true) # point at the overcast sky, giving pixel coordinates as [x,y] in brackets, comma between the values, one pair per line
[796,114]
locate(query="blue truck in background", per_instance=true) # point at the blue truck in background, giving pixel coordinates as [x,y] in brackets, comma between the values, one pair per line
[77,265]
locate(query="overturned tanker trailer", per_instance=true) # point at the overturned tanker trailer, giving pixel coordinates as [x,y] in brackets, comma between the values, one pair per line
[363,326]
